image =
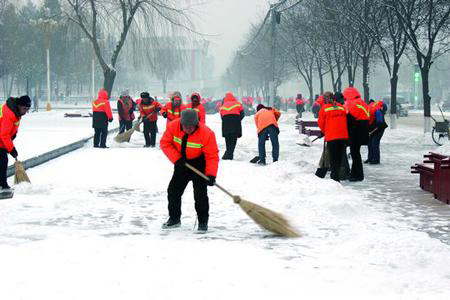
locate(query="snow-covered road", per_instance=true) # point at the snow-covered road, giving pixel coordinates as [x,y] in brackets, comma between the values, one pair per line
[89,228]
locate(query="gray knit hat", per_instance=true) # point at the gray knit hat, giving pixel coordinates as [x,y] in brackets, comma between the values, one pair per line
[189,117]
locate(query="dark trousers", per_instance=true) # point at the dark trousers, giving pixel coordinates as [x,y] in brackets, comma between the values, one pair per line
[272,132]
[230,142]
[177,185]
[336,149]
[100,137]
[150,130]
[125,125]
[374,146]
[300,109]
[357,166]
[3,168]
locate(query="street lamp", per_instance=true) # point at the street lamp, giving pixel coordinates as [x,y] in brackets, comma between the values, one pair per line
[47,26]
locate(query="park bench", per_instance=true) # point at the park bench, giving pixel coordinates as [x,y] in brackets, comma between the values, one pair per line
[435,175]
[309,128]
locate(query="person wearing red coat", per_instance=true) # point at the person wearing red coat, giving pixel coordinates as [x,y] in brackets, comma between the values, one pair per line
[172,110]
[125,109]
[186,140]
[333,124]
[101,115]
[10,114]
[148,109]
[300,104]
[198,107]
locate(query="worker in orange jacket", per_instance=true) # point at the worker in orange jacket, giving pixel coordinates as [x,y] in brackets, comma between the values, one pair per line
[231,113]
[172,110]
[125,109]
[10,114]
[149,108]
[300,105]
[266,120]
[197,106]
[358,129]
[333,124]
[101,115]
[186,140]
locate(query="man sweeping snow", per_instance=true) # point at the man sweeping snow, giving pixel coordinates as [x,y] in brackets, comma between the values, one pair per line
[188,141]
[10,115]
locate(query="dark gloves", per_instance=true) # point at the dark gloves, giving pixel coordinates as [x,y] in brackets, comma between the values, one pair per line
[180,164]
[14,152]
[158,109]
[110,120]
[211,181]
[164,114]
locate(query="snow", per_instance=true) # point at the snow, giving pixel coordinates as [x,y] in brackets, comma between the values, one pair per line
[89,227]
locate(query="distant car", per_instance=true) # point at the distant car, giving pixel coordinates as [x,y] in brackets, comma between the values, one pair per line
[402,105]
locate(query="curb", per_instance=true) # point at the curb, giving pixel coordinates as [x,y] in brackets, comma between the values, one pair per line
[47,156]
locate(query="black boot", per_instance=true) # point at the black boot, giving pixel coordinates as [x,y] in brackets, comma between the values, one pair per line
[202,226]
[171,223]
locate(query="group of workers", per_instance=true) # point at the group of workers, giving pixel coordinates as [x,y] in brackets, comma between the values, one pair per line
[346,120]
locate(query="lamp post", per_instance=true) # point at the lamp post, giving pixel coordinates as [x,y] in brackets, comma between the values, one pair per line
[47,26]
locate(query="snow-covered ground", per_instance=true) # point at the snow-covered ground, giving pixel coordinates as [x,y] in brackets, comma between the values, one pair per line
[41,132]
[89,228]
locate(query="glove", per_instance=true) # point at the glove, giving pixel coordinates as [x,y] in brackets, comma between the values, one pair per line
[14,152]
[110,120]
[212,180]
[180,164]
[164,114]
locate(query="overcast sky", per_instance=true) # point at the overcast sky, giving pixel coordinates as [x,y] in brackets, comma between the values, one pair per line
[230,20]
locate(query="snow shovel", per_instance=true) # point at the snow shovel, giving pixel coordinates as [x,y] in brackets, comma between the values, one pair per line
[20,174]
[265,218]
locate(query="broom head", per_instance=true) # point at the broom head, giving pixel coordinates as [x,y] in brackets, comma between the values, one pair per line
[21,175]
[125,136]
[266,218]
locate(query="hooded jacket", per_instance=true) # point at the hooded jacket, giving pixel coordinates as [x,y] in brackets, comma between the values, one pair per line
[232,113]
[200,109]
[9,124]
[101,110]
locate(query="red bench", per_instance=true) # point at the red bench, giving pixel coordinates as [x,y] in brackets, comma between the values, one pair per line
[309,128]
[435,175]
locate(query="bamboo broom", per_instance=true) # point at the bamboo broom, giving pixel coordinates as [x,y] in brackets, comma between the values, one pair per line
[125,136]
[20,175]
[265,218]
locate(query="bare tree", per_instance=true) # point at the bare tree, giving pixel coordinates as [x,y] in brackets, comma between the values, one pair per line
[116,17]
[426,25]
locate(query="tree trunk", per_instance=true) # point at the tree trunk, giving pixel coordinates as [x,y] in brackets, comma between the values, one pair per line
[350,76]
[425,72]
[366,70]
[393,108]
[164,83]
[108,83]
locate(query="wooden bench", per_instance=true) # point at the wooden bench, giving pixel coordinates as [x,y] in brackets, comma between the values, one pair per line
[435,175]
[309,128]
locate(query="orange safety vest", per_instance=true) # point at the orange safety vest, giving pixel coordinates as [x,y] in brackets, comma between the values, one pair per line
[201,142]
[102,104]
[359,110]
[126,108]
[173,113]
[148,110]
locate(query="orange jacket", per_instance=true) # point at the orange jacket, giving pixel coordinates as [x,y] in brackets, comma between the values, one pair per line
[359,109]
[333,122]
[266,117]
[373,107]
[230,106]
[125,108]
[172,113]
[9,125]
[149,111]
[299,101]
[200,109]
[201,142]
[102,104]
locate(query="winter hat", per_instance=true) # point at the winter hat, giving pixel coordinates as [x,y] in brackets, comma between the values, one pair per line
[189,117]
[229,97]
[145,95]
[338,97]
[125,93]
[24,101]
[176,94]
[259,107]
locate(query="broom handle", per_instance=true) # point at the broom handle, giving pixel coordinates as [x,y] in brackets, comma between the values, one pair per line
[207,179]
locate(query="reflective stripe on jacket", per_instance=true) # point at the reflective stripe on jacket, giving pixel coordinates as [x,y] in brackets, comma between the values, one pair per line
[172,113]
[333,122]
[201,142]
[148,110]
[359,110]
[200,109]
[102,104]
